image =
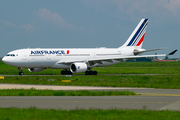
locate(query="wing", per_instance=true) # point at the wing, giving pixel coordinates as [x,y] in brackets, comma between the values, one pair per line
[119,58]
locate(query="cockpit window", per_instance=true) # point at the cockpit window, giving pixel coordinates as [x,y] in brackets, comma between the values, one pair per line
[13,55]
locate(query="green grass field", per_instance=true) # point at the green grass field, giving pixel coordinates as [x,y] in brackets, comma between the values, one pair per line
[34,92]
[167,76]
[149,81]
[121,68]
[91,114]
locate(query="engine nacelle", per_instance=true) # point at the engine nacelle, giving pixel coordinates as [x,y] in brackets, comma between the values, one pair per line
[78,67]
[35,69]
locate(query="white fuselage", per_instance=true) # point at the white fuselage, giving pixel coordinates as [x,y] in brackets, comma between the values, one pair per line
[58,58]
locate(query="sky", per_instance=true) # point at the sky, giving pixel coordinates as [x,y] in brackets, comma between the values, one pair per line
[87,24]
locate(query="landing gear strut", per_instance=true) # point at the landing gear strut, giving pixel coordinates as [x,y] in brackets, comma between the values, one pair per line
[91,73]
[66,72]
[20,71]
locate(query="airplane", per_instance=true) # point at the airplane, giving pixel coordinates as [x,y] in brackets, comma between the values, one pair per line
[80,60]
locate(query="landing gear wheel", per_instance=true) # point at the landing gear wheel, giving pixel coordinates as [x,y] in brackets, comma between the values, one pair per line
[94,72]
[66,72]
[21,73]
[62,72]
[91,73]
[87,73]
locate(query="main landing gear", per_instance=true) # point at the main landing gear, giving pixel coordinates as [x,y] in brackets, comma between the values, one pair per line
[20,71]
[66,72]
[91,73]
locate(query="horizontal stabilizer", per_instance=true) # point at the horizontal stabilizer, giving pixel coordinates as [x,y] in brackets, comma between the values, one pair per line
[136,52]
[155,49]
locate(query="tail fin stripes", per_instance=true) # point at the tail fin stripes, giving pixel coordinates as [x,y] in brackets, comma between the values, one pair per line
[137,37]
[141,40]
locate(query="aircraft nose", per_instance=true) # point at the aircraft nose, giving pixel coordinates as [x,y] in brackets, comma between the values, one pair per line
[4,59]
[10,61]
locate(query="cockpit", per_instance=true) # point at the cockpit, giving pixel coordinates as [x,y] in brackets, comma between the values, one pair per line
[13,55]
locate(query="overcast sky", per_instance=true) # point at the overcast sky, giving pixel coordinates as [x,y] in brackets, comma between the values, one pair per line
[87,23]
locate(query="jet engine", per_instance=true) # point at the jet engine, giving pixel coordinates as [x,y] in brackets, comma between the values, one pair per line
[78,67]
[35,69]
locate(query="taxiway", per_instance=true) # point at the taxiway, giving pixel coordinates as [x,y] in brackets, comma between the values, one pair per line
[149,98]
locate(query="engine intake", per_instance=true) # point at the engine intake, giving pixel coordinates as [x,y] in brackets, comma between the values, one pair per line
[78,67]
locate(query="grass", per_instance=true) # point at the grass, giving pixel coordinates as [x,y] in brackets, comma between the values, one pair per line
[91,114]
[149,81]
[167,76]
[121,68]
[34,92]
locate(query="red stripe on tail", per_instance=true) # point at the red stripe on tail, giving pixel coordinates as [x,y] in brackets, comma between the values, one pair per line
[141,40]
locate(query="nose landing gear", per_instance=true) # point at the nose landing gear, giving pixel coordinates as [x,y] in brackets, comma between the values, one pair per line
[20,71]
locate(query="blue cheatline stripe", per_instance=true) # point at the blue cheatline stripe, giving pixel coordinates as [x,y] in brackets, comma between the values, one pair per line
[139,35]
[137,32]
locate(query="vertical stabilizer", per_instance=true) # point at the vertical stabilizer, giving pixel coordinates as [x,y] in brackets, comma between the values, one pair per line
[137,36]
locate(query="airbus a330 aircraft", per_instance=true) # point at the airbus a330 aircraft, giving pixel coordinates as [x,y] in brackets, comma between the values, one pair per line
[80,60]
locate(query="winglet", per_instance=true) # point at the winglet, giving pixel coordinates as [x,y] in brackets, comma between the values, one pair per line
[172,53]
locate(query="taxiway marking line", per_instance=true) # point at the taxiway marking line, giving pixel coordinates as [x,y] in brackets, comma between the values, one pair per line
[86,102]
[156,94]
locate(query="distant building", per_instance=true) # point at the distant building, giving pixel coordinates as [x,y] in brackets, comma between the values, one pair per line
[166,59]
[156,57]
[162,60]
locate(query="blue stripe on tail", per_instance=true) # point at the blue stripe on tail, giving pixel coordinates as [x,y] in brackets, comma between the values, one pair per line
[140,34]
